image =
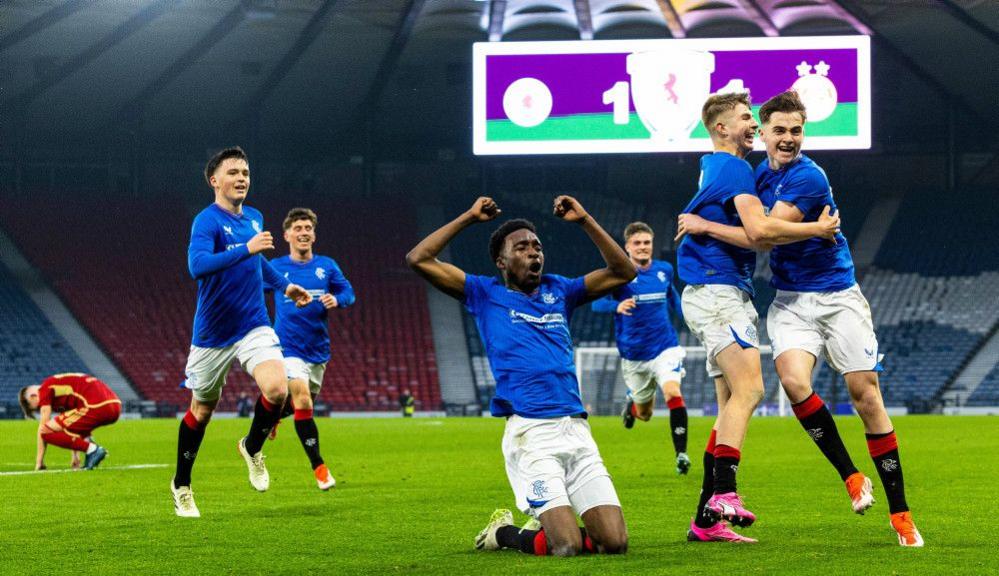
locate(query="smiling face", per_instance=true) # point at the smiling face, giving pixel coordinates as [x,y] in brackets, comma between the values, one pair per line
[521,260]
[738,128]
[639,248]
[300,235]
[231,181]
[783,133]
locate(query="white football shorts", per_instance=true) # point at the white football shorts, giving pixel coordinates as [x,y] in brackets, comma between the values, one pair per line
[643,376]
[298,369]
[554,462]
[719,316]
[207,367]
[835,324]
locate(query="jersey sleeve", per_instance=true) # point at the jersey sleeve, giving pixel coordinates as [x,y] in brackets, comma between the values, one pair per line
[475,292]
[201,258]
[45,394]
[807,191]
[736,178]
[575,291]
[273,280]
[339,286]
[605,305]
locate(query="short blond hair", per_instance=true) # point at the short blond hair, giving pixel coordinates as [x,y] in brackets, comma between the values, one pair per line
[718,104]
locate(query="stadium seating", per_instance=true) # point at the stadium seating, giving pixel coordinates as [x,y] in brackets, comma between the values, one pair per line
[987,393]
[122,271]
[30,348]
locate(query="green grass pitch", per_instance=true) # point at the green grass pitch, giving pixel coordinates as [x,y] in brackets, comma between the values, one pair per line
[412,494]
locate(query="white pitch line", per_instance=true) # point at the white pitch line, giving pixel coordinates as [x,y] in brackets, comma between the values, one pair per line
[61,470]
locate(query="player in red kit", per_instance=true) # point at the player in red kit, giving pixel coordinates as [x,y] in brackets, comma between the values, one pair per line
[70,407]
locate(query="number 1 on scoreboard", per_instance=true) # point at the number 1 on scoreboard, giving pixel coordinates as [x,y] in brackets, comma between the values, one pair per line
[619,95]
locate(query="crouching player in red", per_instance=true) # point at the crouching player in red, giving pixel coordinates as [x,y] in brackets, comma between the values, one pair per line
[81,403]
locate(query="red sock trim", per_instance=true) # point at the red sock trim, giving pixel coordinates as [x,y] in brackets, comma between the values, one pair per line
[303,414]
[267,404]
[191,422]
[808,406]
[540,544]
[724,451]
[674,403]
[634,410]
[710,449]
[589,546]
[881,446]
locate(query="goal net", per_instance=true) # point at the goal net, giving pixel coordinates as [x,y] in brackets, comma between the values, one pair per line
[604,392]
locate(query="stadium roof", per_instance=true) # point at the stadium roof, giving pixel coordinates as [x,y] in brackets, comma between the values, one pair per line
[320,68]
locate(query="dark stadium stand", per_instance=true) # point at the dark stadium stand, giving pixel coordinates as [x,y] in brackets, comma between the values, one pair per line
[122,271]
[30,348]
[987,393]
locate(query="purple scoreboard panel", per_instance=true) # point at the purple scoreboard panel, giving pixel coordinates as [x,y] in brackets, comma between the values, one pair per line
[646,95]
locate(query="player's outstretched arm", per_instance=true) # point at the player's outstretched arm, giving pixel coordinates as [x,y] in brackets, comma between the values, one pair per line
[694,225]
[761,228]
[446,277]
[619,270]
[605,305]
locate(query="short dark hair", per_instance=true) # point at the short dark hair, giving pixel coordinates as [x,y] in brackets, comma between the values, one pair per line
[637,228]
[504,230]
[221,156]
[296,214]
[787,102]
[22,399]
[718,104]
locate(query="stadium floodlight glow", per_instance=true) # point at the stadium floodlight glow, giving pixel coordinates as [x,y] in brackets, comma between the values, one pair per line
[646,95]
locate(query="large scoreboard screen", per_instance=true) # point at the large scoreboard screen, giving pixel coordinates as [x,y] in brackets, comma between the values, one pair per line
[646,95]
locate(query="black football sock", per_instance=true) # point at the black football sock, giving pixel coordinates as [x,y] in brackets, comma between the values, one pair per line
[265,415]
[678,423]
[308,434]
[884,451]
[287,409]
[726,466]
[817,420]
[707,484]
[189,440]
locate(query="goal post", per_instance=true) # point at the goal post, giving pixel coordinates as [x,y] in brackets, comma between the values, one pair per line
[598,370]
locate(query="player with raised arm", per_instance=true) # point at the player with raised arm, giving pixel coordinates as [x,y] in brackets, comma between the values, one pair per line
[304,331]
[651,356]
[231,322]
[80,403]
[718,307]
[819,310]
[552,462]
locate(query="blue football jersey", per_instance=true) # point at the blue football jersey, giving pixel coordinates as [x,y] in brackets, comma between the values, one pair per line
[816,264]
[527,340]
[303,331]
[702,259]
[648,331]
[230,280]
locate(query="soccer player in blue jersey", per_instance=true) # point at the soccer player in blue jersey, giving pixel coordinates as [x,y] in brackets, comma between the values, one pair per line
[552,462]
[651,356]
[231,321]
[819,310]
[718,307]
[303,331]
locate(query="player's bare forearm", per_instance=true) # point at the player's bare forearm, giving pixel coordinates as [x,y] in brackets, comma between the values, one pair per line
[734,235]
[619,270]
[423,257]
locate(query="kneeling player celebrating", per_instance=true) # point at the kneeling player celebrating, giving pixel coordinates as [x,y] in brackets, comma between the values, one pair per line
[82,403]
[552,462]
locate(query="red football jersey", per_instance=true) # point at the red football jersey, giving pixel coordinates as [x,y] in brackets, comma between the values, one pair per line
[69,391]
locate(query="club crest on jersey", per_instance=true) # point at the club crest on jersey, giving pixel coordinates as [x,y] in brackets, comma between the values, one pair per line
[320,273]
[548,298]
[539,489]
[256,226]
[227,230]
[661,275]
